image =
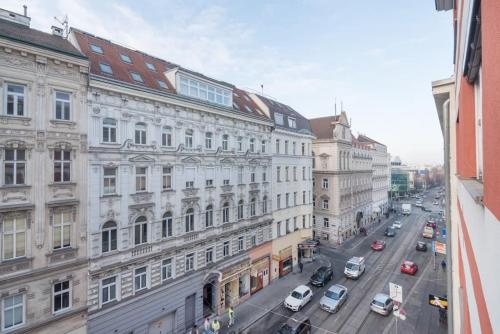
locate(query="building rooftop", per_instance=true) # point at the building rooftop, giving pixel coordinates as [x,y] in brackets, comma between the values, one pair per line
[323,127]
[288,116]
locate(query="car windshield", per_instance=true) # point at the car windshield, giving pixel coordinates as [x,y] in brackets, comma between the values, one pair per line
[286,329]
[332,294]
[352,266]
[296,295]
[378,303]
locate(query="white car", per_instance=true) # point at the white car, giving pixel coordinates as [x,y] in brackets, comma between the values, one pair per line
[397,224]
[298,298]
[436,203]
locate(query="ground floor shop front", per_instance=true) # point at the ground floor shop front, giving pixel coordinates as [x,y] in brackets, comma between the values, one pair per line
[286,254]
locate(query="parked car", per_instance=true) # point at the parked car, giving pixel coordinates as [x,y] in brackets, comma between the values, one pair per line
[409,267]
[302,325]
[390,232]
[435,203]
[321,276]
[428,232]
[397,224]
[334,298]
[381,304]
[378,245]
[299,297]
[421,246]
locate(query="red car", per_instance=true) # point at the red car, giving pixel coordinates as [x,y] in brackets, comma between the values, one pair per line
[409,268]
[378,245]
[432,224]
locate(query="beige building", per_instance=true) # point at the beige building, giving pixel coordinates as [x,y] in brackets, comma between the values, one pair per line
[43,235]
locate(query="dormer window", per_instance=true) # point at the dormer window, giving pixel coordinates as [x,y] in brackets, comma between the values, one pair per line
[136,76]
[205,91]
[125,58]
[150,67]
[278,118]
[162,84]
[96,49]
[105,68]
[291,122]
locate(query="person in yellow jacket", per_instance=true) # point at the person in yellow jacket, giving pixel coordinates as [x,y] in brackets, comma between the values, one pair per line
[216,326]
[230,313]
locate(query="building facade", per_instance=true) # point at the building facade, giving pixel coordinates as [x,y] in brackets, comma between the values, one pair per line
[43,199]
[467,105]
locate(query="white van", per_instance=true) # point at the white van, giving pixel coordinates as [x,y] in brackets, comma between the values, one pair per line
[355,267]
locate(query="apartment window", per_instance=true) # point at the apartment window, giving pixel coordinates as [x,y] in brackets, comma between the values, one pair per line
[109,130]
[263,147]
[294,148]
[13,238]
[15,166]
[151,67]
[125,58]
[62,166]
[109,181]
[226,176]
[15,102]
[252,145]
[313,160]
[209,216]
[240,144]
[252,176]
[286,146]
[209,255]
[108,290]
[278,229]
[303,221]
[278,174]
[326,222]
[278,201]
[304,174]
[188,139]
[141,231]
[62,229]
[167,225]
[140,278]
[295,173]
[264,205]
[105,68]
[264,174]
[167,269]
[189,220]
[295,224]
[140,178]
[314,180]
[136,76]
[287,200]
[166,136]
[109,237]
[208,140]
[314,200]
[240,174]
[189,262]
[96,49]
[225,212]
[253,240]
[314,220]
[252,207]
[303,149]
[277,146]
[167,178]
[61,296]
[295,198]
[286,174]
[287,226]
[140,133]
[240,209]
[325,184]
[13,312]
[303,197]
[225,249]
[291,122]
[204,91]
[63,106]
[240,244]
[162,84]
[278,118]
[225,142]
[325,204]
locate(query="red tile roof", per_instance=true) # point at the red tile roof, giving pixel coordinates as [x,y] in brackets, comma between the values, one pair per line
[363,138]
[322,127]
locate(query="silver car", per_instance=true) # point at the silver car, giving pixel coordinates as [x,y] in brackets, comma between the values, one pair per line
[382,304]
[333,299]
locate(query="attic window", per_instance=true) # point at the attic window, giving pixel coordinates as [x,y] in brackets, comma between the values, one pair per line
[248,109]
[235,94]
[278,118]
[136,76]
[247,98]
[96,49]
[205,91]
[105,68]
[291,122]
[126,58]
[235,106]
[151,67]
[162,84]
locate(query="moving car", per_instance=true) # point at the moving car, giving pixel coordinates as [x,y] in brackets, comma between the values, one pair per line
[390,232]
[378,245]
[321,276]
[397,224]
[421,246]
[406,208]
[301,325]
[333,299]
[299,297]
[381,304]
[431,223]
[428,232]
[435,203]
[426,209]
[355,267]
[409,267]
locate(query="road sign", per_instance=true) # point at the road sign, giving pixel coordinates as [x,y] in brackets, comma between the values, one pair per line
[440,302]
[440,247]
[396,292]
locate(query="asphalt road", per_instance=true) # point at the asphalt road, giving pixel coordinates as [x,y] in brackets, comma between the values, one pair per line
[381,268]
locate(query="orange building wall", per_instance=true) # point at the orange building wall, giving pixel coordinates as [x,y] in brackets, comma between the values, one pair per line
[466,132]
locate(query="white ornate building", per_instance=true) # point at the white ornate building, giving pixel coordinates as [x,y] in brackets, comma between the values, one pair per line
[43,198]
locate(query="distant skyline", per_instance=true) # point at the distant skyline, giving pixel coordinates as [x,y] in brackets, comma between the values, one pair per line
[377,57]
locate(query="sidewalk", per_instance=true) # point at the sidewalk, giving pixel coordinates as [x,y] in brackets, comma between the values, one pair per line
[259,304]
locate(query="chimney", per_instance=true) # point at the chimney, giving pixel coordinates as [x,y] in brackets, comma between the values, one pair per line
[25,10]
[56,31]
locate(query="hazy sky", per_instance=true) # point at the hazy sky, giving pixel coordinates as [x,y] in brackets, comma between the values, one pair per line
[378,57]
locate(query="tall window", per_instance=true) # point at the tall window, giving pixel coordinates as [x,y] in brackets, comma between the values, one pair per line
[325,204]
[240,175]
[294,198]
[140,279]
[286,146]
[167,269]
[141,230]
[225,249]
[167,178]
[15,166]
[240,209]
[189,262]
[240,144]
[264,174]
[303,149]
[287,200]
[278,201]
[63,106]
[252,207]
[209,216]
[225,212]
[278,229]
[241,245]
[167,225]
[13,238]
[291,122]
[208,140]
[277,146]
[287,178]
[62,166]
[295,173]
[225,142]
[109,130]
[109,181]
[62,229]
[325,184]
[252,145]
[15,101]
[188,138]
[140,134]
[13,314]
[108,290]
[303,173]
[278,174]
[109,237]
[294,147]
[326,222]
[303,197]
[209,255]
[263,148]
[252,175]
[62,296]
[166,136]
[140,178]
[189,220]
[264,205]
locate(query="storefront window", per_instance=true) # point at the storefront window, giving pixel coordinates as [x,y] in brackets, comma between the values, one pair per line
[244,285]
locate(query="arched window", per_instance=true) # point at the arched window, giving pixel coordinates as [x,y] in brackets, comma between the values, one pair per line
[264,205]
[140,133]
[225,212]
[209,216]
[167,225]
[189,219]
[109,130]
[141,230]
[225,142]
[166,136]
[188,139]
[240,209]
[109,241]
[252,207]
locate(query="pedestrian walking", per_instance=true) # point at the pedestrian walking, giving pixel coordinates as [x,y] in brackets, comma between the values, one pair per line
[230,313]
[216,326]
[194,330]
[301,266]
[443,265]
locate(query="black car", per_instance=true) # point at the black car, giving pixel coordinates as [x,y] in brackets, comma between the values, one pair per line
[321,276]
[426,209]
[421,246]
[296,326]
[390,232]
